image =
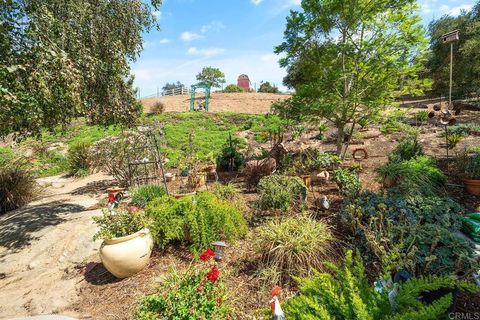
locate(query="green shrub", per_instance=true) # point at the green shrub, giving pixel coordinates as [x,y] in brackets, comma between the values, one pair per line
[293,246]
[120,224]
[421,116]
[407,149]
[52,163]
[226,192]
[453,140]
[417,175]
[186,295]
[282,193]
[197,221]
[345,293]
[17,185]
[463,129]
[231,88]
[78,158]
[306,161]
[347,181]
[468,166]
[417,233]
[230,158]
[142,195]
[6,155]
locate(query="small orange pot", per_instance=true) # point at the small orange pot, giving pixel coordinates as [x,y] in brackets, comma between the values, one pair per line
[472,186]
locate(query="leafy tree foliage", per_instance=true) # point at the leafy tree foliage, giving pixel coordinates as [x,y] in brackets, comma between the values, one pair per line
[466,69]
[213,76]
[173,85]
[232,88]
[267,88]
[348,59]
[63,59]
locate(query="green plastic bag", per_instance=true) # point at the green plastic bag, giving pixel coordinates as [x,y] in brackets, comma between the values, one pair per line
[472,228]
[474,216]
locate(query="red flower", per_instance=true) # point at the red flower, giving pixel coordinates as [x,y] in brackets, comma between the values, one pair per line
[207,255]
[275,291]
[213,274]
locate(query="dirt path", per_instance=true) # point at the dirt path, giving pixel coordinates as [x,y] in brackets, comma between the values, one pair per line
[41,244]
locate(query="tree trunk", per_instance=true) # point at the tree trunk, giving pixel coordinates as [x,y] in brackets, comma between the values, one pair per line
[340,137]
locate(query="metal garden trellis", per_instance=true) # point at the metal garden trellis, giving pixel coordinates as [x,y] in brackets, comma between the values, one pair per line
[146,170]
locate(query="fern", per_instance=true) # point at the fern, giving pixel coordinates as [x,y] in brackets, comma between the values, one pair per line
[345,293]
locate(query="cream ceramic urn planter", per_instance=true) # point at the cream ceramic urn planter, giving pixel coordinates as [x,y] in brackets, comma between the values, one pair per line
[125,256]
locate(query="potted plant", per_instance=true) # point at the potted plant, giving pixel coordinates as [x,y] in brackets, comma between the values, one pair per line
[469,169]
[127,244]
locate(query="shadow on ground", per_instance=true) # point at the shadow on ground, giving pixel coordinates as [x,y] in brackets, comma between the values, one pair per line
[96,187]
[98,275]
[17,228]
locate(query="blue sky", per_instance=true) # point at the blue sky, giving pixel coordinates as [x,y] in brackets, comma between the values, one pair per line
[236,36]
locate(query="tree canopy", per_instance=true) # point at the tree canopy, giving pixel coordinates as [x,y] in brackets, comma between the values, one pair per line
[213,76]
[349,59]
[266,87]
[466,63]
[61,59]
[173,85]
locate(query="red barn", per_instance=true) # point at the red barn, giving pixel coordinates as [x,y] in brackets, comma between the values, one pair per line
[243,82]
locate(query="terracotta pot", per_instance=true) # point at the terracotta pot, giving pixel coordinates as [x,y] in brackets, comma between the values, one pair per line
[472,186]
[125,256]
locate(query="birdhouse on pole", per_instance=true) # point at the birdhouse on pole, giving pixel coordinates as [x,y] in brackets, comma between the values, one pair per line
[243,82]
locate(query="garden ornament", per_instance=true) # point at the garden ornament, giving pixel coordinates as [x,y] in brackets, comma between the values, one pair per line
[115,195]
[219,247]
[275,305]
[324,203]
[324,175]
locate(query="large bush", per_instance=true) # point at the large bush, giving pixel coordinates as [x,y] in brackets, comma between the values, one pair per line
[197,221]
[292,247]
[345,293]
[17,185]
[416,233]
[113,155]
[282,193]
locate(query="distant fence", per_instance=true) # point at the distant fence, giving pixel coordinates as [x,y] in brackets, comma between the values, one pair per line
[170,92]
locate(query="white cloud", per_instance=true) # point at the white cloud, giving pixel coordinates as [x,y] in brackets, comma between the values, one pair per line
[214,26]
[256,2]
[190,36]
[208,52]
[165,41]
[455,11]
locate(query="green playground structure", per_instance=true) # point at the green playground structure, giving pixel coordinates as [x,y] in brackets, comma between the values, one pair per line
[194,87]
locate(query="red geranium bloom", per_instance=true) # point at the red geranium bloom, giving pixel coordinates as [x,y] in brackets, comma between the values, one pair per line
[207,255]
[213,274]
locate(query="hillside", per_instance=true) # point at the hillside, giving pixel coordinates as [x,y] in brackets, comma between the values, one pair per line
[256,103]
